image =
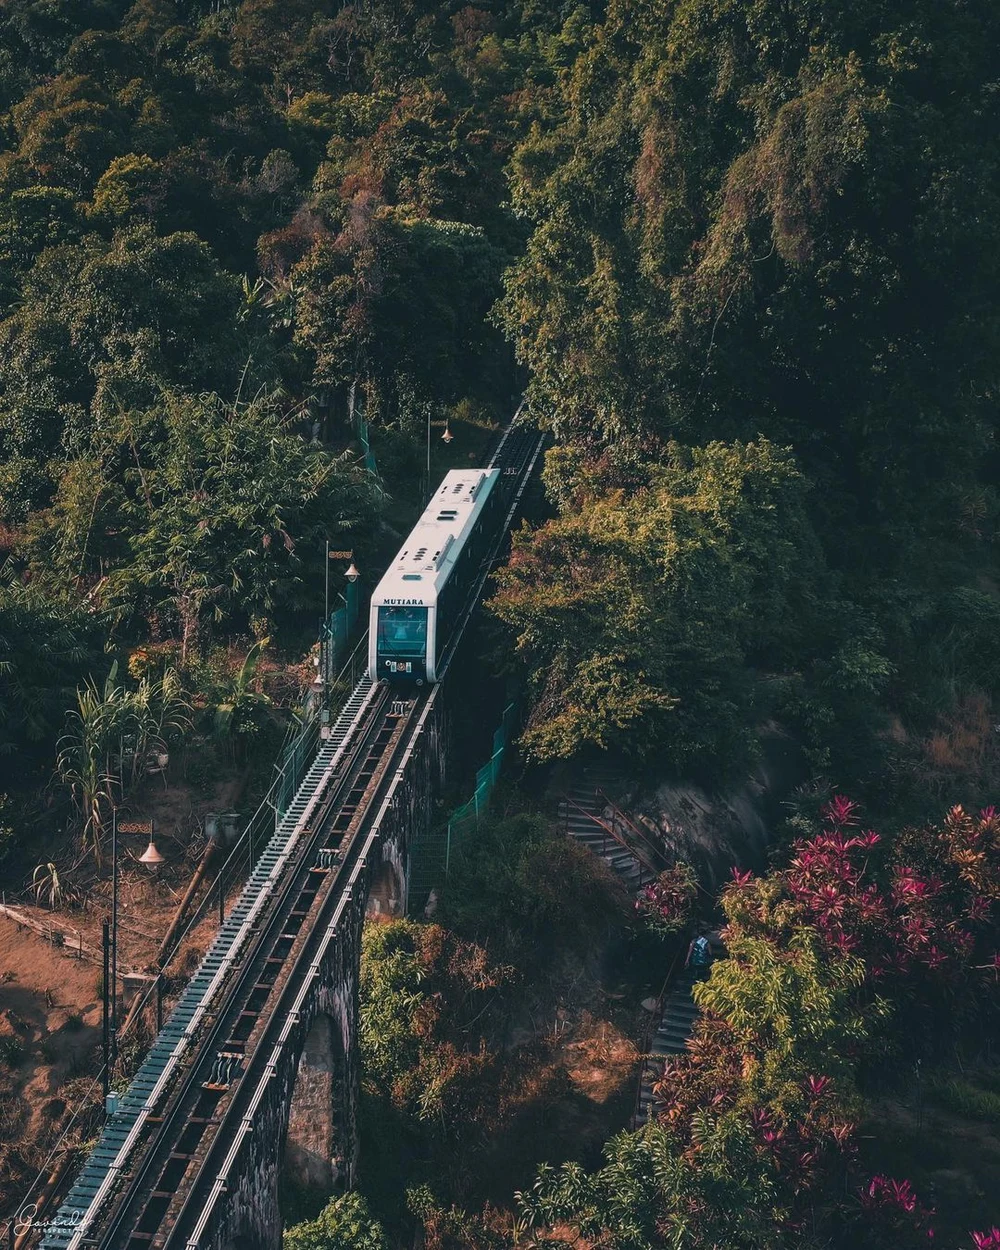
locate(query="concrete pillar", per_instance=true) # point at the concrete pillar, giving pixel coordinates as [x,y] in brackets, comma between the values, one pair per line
[313,1153]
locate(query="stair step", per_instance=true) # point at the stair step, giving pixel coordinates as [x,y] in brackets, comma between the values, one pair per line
[669,1048]
[671,1035]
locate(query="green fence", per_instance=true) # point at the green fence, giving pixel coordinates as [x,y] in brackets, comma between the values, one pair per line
[369,457]
[293,764]
[356,417]
[335,632]
[431,854]
[342,673]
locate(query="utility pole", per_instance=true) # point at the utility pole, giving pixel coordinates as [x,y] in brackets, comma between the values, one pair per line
[106,1036]
[113,1051]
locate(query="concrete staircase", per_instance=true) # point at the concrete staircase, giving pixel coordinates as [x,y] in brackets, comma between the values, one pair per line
[671,1034]
[581,816]
[670,1038]
[582,812]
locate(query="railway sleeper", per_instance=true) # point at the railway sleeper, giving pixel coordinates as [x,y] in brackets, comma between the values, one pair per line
[244,1025]
[258,997]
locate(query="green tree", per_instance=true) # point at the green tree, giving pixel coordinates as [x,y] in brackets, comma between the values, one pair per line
[30,221]
[240,713]
[735,204]
[398,302]
[518,888]
[46,648]
[108,735]
[101,326]
[130,188]
[345,1223]
[425,999]
[227,510]
[68,131]
[766,222]
[641,611]
[721,1195]
[792,1010]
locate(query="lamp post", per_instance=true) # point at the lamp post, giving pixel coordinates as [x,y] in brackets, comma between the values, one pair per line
[427,492]
[151,857]
[323,660]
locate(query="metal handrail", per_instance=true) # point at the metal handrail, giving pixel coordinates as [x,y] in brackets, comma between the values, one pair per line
[655,1020]
[643,836]
[616,836]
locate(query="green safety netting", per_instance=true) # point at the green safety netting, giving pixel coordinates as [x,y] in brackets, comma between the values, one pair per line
[334,641]
[292,767]
[431,854]
[370,465]
[335,632]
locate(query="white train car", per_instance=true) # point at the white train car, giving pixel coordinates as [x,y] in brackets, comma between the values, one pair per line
[416,604]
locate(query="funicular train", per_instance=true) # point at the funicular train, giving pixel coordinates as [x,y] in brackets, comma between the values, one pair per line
[416,605]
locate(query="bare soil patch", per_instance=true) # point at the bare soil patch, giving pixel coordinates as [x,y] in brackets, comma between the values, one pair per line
[50,998]
[50,1022]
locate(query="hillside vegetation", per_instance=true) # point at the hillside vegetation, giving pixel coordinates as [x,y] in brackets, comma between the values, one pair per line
[758,309]
[742,259]
[225,230]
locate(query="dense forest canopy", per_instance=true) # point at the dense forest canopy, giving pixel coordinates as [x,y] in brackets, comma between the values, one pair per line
[743,259]
[224,228]
[762,220]
[755,241]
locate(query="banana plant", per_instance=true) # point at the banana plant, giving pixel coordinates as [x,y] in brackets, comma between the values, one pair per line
[92,762]
[236,717]
[45,880]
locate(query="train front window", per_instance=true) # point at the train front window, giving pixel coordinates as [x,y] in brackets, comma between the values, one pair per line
[402,631]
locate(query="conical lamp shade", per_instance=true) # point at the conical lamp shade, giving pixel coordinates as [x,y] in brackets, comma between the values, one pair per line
[151,855]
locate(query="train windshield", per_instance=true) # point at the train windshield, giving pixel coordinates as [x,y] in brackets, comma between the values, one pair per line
[402,631]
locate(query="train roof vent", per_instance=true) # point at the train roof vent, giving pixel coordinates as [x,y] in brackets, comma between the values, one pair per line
[419,555]
[447,514]
[439,556]
[459,487]
[411,577]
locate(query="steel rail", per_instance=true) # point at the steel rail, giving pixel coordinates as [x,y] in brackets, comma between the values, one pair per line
[118,1142]
[197,1205]
[340,777]
[516,454]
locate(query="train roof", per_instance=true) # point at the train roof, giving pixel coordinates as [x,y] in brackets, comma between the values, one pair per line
[423,564]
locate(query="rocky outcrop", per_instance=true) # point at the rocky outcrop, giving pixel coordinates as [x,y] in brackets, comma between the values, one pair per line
[715,832]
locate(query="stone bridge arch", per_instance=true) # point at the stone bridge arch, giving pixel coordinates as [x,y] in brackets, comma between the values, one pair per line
[315,1155]
[306,1119]
[387,896]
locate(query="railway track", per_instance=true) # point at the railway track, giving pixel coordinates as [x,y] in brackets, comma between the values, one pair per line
[140,1177]
[162,1159]
[282,952]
